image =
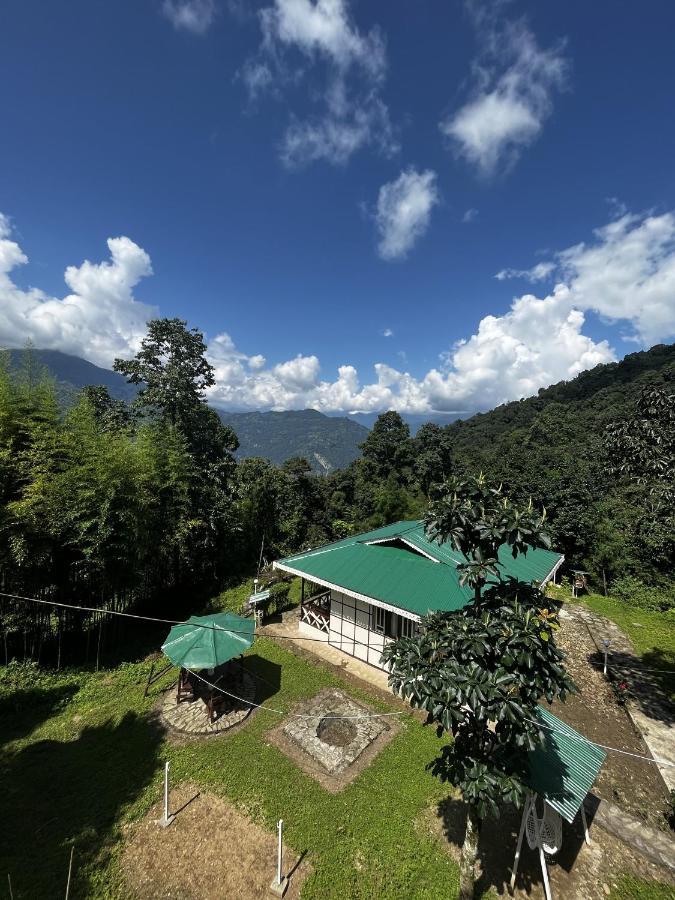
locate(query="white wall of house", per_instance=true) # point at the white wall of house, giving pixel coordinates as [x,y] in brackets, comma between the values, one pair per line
[361,629]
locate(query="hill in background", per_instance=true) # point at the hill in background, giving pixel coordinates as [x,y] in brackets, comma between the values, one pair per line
[71,373]
[327,443]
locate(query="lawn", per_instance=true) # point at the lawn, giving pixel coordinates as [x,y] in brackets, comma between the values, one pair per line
[81,760]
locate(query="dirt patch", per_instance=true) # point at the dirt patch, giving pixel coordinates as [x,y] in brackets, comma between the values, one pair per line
[633,784]
[210,852]
[577,872]
[336,780]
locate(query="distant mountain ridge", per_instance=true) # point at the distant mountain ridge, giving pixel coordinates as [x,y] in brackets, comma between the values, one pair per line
[327,443]
[72,373]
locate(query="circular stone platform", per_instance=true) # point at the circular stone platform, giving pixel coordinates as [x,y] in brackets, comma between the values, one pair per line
[191,717]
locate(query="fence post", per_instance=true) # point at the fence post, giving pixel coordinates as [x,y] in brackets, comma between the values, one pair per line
[166,820]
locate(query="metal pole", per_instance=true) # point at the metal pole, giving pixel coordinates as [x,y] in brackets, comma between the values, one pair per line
[167,820]
[606,642]
[280,826]
[70,870]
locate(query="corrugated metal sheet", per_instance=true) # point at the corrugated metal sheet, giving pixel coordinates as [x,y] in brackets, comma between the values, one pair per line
[400,577]
[564,767]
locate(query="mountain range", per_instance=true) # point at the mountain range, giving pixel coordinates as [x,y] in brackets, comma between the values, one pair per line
[332,442]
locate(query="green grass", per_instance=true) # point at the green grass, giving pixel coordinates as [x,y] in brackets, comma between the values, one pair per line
[629,888]
[80,760]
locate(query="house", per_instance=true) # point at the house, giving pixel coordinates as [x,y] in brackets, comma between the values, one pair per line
[375,587]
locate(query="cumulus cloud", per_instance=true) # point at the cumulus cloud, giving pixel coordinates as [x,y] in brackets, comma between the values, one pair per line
[514,82]
[470,215]
[298,35]
[539,272]
[625,273]
[387,332]
[404,210]
[195,16]
[99,320]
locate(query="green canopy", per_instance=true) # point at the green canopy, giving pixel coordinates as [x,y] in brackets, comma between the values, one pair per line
[204,642]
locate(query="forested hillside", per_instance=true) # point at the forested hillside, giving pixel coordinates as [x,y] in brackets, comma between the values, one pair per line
[326,443]
[552,448]
[144,505]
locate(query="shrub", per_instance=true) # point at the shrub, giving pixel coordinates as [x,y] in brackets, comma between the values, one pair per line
[634,592]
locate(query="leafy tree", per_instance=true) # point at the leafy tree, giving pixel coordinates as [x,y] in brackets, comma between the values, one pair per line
[477,518]
[112,414]
[642,446]
[479,673]
[433,456]
[387,450]
[172,369]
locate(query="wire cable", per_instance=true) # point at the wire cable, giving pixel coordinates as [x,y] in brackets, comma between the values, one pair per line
[126,615]
[283,712]
[582,738]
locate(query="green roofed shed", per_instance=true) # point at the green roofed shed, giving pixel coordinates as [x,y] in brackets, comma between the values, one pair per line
[564,767]
[400,568]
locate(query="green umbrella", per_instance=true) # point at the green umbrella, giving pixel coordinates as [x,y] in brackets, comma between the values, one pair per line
[204,642]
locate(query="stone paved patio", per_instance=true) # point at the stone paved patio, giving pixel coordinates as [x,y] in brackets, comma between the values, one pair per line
[192,717]
[332,742]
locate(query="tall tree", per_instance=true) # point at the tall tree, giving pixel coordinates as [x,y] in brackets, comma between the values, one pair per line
[387,449]
[480,672]
[171,368]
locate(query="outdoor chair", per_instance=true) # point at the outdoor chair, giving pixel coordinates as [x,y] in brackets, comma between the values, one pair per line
[186,687]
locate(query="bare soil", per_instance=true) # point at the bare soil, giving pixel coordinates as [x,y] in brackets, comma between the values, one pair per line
[633,784]
[210,852]
[577,872]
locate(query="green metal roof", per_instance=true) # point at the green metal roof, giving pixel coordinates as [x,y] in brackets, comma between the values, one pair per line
[387,565]
[564,767]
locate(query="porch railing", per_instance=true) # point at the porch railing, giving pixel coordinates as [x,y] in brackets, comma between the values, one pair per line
[316,612]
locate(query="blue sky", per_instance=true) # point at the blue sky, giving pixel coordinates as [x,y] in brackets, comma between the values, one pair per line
[299,179]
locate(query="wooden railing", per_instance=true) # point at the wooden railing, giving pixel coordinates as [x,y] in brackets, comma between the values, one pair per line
[316,612]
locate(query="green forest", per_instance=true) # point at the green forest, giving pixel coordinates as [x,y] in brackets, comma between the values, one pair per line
[142,505]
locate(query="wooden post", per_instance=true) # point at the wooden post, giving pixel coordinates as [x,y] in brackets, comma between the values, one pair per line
[280,826]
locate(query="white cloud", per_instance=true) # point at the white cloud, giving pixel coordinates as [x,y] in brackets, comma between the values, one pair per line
[470,215]
[99,320]
[195,16]
[539,272]
[387,332]
[403,211]
[511,99]
[625,274]
[299,34]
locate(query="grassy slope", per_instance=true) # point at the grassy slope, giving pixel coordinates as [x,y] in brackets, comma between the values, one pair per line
[79,761]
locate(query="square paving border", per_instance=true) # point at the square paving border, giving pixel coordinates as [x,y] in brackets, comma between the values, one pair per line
[354,760]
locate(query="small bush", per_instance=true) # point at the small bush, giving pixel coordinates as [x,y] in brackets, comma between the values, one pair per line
[634,592]
[278,599]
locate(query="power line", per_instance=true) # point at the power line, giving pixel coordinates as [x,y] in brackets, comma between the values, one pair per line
[114,612]
[126,615]
[283,712]
[582,738]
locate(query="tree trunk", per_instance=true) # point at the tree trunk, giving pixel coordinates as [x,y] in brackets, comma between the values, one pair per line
[467,864]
